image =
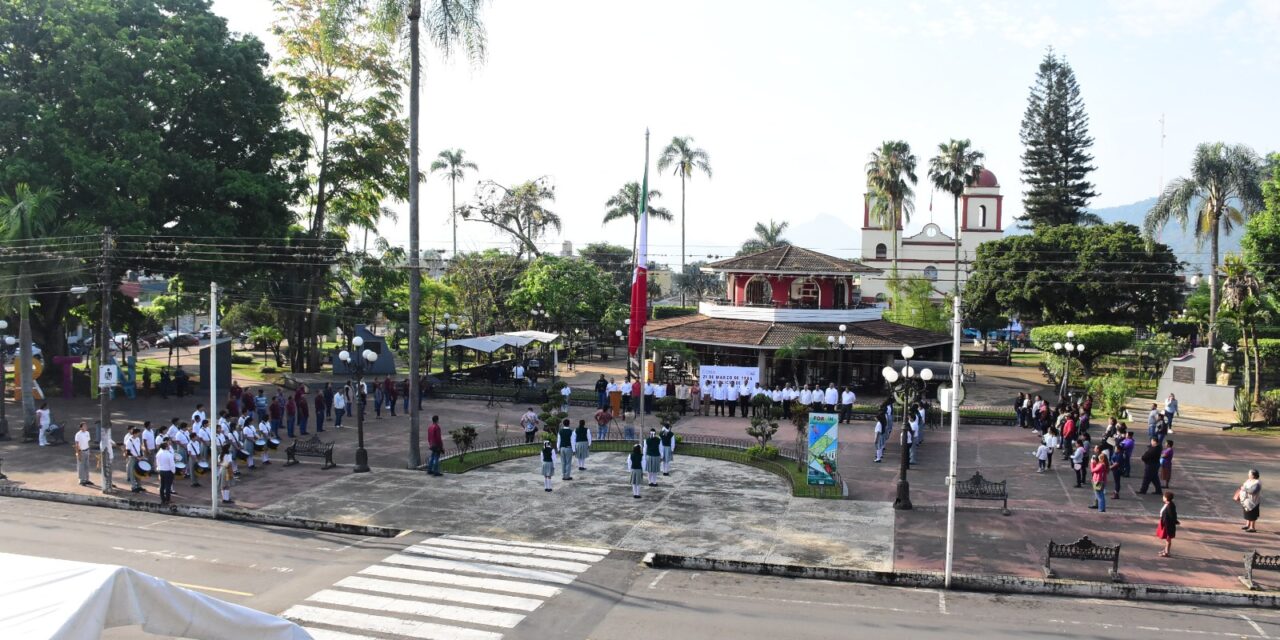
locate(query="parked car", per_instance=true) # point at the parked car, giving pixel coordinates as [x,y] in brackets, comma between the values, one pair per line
[178,340]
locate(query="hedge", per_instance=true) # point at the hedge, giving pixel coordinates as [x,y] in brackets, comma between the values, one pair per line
[1098,339]
[660,313]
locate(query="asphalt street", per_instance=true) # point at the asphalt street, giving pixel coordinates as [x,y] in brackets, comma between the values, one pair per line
[431,586]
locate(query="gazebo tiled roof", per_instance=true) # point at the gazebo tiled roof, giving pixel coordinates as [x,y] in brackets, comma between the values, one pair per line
[790,259]
[873,335]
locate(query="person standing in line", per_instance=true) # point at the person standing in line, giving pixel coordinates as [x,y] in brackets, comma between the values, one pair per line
[650,391]
[339,407]
[1166,463]
[529,422]
[1116,464]
[1170,410]
[82,454]
[548,464]
[1168,527]
[744,398]
[731,396]
[260,404]
[133,453]
[1042,453]
[1100,468]
[377,399]
[805,396]
[260,432]
[1151,467]
[705,398]
[786,396]
[1050,439]
[276,414]
[225,476]
[653,457]
[635,465]
[565,392]
[682,395]
[321,410]
[1078,462]
[667,448]
[923,423]
[166,468]
[106,450]
[880,435]
[1153,421]
[1021,418]
[389,392]
[248,438]
[517,376]
[304,413]
[831,398]
[582,444]
[637,395]
[913,434]
[178,444]
[1126,445]
[719,395]
[290,416]
[602,392]
[149,442]
[695,397]
[435,443]
[846,404]
[565,442]
[1249,495]
[195,453]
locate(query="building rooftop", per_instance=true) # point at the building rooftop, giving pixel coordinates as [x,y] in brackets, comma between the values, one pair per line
[869,335]
[790,259]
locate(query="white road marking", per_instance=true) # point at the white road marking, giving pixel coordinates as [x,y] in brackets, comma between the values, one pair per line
[162,553]
[502,548]
[942,602]
[537,545]
[384,624]
[1254,625]
[214,589]
[416,608]
[325,634]
[498,558]
[439,593]
[479,567]
[512,586]
[659,579]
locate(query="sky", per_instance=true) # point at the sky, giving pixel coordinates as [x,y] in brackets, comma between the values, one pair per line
[790,98]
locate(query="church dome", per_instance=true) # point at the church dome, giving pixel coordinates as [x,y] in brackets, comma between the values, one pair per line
[987,179]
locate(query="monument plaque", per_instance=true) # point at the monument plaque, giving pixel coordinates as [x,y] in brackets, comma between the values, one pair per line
[1184,374]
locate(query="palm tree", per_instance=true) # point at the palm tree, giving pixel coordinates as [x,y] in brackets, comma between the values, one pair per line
[1222,192]
[686,159]
[452,25]
[451,163]
[30,216]
[956,166]
[891,173]
[767,237]
[626,204]
[1241,296]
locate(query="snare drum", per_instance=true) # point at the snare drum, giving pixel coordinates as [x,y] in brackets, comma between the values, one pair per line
[241,455]
[273,443]
[202,468]
[259,444]
[142,468]
[180,468]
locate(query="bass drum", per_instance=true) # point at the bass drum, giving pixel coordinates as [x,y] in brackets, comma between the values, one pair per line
[241,455]
[180,468]
[142,468]
[273,443]
[202,468]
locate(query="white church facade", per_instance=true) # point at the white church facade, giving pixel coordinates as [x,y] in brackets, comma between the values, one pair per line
[931,252]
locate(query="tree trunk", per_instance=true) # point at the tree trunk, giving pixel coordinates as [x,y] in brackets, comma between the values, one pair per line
[1213,284]
[955,290]
[893,282]
[415,274]
[26,364]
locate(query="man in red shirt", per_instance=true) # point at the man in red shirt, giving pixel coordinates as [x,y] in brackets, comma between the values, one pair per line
[435,442]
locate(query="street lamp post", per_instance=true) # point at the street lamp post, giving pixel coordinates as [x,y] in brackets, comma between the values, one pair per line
[357,365]
[1067,349]
[840,343]
[446,329]
[8,341]
[627,334]
[618,333]
[910,383]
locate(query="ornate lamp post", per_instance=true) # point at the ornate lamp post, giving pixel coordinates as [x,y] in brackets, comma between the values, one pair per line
[621,339]
[910,384]
[357,365]
[1067,349]
[446,329]
[626,335]
[8,341]
[840,343]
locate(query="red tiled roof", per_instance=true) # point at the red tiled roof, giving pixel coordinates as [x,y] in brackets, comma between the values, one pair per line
[869,335]
[791,259]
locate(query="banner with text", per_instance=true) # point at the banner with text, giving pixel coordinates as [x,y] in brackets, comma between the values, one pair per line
[824,441]
[709,375]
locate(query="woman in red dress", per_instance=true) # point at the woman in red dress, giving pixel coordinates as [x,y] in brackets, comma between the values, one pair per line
[1168,526]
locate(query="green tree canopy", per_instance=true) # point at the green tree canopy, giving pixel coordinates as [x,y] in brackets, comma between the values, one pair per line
[1068,273]
[1098,339]
[766,237]
[614,260]
[573,292]
[915,306]
[1261,241]
[1056,162]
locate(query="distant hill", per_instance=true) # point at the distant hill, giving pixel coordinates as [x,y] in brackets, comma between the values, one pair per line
[1182,242]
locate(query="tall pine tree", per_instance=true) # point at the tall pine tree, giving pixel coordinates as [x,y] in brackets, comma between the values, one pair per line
[1056,162]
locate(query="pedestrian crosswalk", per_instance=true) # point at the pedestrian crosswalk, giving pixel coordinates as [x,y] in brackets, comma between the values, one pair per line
[450,587]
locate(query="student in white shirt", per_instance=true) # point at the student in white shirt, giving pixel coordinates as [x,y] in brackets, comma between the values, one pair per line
[339,409]
[565,393]
[881,434]
[718,396]
[831,398]
[913,432]
[133,452]
[82,454]
[44,422]
[165,467]
[846,404]
[149,441]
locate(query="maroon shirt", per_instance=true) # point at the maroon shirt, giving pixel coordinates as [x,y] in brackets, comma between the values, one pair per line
[434,439]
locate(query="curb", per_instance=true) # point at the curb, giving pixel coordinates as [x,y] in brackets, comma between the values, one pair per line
[976,582]
[233,515]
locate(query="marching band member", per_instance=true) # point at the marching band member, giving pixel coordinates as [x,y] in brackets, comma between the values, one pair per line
[667,448]
[178,445]
[263,432]
[225,476]
[653,457]
[635,465]
[132,453]
[195,453]
[248,439]
[149,442]
[582,444]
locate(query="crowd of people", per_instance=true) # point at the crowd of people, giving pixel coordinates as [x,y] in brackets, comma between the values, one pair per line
[745,398]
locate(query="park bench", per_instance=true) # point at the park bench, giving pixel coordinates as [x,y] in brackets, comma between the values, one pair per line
[312,447]
[1084,549]
[979,488]
[1253,562]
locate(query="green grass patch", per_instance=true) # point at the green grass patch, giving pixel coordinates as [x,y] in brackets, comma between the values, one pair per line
[782,467]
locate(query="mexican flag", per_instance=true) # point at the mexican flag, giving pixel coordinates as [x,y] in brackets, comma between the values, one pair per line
[640,280]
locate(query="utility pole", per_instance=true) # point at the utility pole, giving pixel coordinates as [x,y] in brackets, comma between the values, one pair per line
[415,273]
[213,401]
[957,377]
[104,334]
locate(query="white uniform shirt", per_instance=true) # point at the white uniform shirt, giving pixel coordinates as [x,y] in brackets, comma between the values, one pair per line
[719,392]
[164,461]
[831,396]
[806,396]
[848,398]
[339,400]
[250,434]
[149,439]
[682,391]
[172,432]
[659,390]
[731,393]
[611,387]
[45,418]
[744,391]
[199,416]
[82,440]
[133,445]
[566,391]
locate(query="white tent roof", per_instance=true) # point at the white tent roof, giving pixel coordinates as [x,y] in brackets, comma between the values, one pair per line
[534,336]
[65,600]
[484,344]
[489,344]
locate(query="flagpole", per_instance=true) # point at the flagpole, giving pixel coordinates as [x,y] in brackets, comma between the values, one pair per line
[644,328]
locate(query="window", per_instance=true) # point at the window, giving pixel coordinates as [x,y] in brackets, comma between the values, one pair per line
[982,216]
[931,273]
[881,251]
[880,297]
[758,291]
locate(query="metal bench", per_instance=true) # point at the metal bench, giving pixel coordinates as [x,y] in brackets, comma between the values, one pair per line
[979,488]
[1084,549]
[312,447]
[1253,562]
